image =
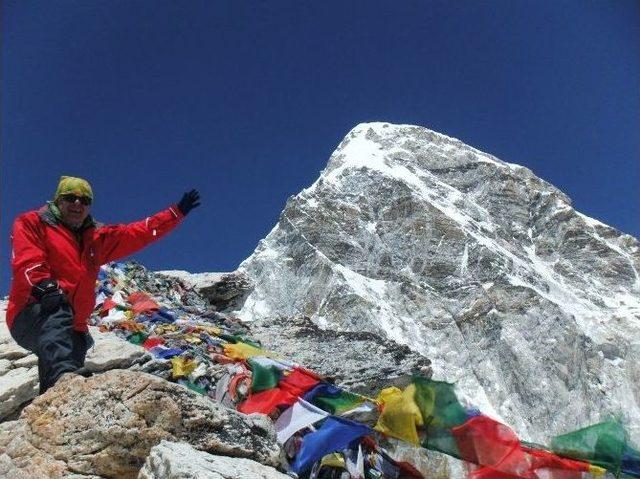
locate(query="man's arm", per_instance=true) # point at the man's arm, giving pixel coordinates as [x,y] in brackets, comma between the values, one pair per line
[118,241]
[29,261]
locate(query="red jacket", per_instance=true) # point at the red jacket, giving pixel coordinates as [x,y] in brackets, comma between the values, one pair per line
[44,248]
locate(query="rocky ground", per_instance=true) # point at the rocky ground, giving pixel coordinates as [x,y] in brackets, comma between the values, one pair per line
[121,423]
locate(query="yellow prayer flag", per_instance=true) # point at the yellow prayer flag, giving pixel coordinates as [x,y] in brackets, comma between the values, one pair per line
[334,460]
[210,330]
[165,328]
[191,338]
[596,471]
[132,326]
[245,351]
[400,414]
[182,367]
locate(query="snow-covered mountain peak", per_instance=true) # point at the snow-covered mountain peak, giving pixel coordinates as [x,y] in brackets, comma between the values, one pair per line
[474,262]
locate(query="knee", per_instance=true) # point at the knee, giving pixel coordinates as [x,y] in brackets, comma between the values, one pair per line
[60,318]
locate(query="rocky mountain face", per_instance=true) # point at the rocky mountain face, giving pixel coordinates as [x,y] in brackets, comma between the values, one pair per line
[532,308]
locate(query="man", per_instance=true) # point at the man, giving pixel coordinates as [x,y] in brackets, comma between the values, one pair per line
[56,258]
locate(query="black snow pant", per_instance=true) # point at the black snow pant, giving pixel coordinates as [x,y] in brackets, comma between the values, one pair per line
[60,349]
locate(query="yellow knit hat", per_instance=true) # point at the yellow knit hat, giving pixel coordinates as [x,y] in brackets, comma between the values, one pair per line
[71,185]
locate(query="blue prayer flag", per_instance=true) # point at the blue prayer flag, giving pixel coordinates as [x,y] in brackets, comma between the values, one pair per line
[630,462]
[334,434]
[165,353]
[322,389]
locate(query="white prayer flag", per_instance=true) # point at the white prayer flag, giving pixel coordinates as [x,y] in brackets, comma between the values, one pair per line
[302,414]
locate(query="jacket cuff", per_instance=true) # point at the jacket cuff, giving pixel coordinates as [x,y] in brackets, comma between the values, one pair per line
[176,211]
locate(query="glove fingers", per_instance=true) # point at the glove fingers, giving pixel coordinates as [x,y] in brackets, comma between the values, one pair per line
[189,200]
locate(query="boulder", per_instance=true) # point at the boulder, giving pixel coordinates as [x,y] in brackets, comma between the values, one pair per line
[105,425]
[111,352]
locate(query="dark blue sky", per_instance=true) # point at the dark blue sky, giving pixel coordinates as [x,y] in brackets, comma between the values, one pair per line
[246,101]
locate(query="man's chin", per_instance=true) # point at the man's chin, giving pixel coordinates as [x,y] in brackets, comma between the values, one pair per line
[74,223]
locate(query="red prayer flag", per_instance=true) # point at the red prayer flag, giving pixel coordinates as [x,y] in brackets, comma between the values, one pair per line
[142,303]
[563,468]
[152,342]
[286,393]
[299,381]
[497,450]
[266,402]
[107,305]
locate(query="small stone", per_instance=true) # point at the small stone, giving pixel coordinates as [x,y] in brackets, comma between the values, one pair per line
[26,362]
[16,387]
[5,365]
[178,460]
[9,349]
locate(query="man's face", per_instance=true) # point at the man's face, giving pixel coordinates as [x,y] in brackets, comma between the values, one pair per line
[73,209]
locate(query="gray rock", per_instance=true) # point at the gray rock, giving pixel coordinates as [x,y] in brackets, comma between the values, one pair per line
[360,362]
[173,460]
[20,459]
[111,352]
[106,425]
[10,350]
[5,365]
[194,280]
[229,292]
[17,386]
[18,368]
[224,291]
[26,362]
[433,465]
[18,377]
[158,367]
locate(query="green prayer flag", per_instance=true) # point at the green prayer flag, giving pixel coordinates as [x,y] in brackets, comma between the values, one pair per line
[263,377]
[193,386]
[236,338]
[229,338]
[137,338]
[441,440]
[345,401]
[441,411]
[438,403]
[602,444]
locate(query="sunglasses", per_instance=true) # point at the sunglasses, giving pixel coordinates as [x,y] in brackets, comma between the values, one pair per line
[70,198]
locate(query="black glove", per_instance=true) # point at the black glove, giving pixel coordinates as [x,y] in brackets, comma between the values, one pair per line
[49,295]
[189,201]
